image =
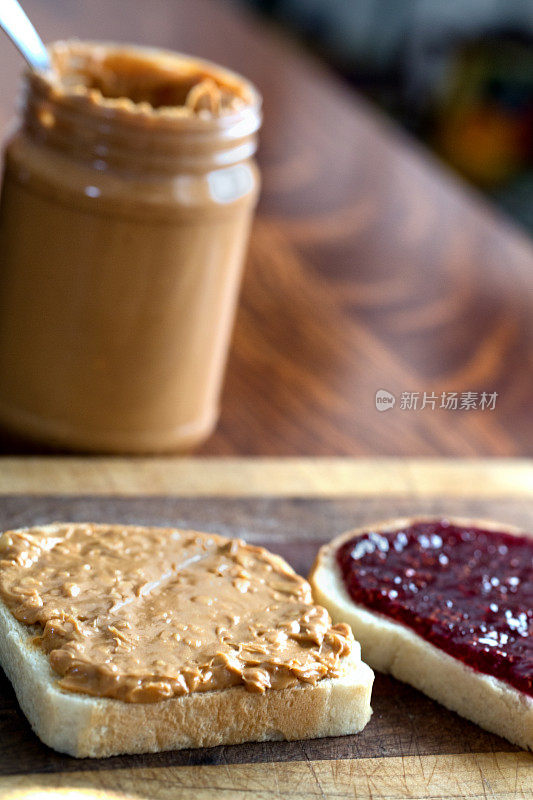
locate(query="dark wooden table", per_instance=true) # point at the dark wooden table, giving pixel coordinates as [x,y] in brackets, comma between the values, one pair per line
[370,266]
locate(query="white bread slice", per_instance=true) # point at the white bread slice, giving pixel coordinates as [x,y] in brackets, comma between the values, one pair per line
[85,726]
[391,647]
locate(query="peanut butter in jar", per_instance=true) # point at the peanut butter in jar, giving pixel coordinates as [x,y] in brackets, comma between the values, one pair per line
[127,198]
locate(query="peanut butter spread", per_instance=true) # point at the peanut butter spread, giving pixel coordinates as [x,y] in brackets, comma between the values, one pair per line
[118,77]
[142,614]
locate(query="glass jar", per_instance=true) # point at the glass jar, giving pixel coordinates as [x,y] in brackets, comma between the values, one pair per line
[127,198]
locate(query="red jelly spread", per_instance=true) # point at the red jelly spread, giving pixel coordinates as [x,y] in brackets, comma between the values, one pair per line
[468,591]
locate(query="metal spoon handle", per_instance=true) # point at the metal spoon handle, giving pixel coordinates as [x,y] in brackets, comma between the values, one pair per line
[18,27]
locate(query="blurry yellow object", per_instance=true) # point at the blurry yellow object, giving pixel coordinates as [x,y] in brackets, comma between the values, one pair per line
[483,122]
[484,144]
[62,794]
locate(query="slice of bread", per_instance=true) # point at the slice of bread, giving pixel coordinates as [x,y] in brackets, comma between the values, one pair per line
[391,647]
[85,726]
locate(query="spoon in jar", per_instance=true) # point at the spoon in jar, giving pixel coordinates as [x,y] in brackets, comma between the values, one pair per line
[18,27]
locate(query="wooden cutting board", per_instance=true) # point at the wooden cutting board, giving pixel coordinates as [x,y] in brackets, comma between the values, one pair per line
[412,748]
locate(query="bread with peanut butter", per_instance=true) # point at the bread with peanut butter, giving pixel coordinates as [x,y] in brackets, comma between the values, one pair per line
[126,639]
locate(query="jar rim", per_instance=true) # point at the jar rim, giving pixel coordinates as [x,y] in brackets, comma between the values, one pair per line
[124,110]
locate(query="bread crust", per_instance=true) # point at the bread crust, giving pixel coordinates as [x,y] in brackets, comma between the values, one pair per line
[391,647]
[85,726]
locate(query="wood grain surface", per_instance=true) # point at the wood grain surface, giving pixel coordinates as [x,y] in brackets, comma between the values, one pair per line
[370,267]
[280,477]
[412,747]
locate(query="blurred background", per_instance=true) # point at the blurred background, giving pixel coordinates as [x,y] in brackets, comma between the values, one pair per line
[459,75]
